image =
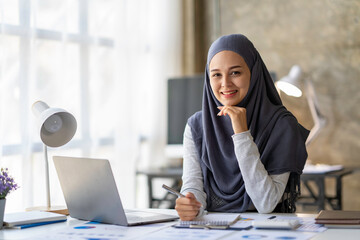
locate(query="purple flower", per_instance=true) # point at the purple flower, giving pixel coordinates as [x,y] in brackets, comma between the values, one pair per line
[7,183]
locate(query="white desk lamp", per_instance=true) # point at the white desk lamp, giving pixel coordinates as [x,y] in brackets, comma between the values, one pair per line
[57,127]
[290,84]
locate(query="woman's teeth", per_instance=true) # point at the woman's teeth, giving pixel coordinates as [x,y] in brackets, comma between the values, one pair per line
[228,93]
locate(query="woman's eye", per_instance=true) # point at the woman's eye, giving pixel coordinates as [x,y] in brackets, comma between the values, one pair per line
[235,73]
[216,75]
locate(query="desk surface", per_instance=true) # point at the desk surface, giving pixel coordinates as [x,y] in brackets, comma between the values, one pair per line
[337,173]
[32,233]
[53,231]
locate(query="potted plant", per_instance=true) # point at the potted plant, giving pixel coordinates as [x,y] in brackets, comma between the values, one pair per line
[7,184]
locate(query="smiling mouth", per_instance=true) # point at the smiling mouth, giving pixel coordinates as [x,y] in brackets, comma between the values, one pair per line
[228,93]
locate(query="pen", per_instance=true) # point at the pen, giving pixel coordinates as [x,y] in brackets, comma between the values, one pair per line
[173,191]
[272,217]
[37,224]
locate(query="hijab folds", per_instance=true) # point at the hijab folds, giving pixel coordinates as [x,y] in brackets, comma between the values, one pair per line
[276,132]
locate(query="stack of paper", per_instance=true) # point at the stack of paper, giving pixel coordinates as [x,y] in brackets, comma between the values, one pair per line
[32,218]
[321,168]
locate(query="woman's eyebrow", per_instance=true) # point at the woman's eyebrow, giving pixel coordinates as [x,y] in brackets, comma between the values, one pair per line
[236,66]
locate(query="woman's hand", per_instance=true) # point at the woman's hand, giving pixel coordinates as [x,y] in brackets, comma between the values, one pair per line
[237,116]
[187,207]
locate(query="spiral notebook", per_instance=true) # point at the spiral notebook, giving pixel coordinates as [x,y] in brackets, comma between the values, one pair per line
[210,221]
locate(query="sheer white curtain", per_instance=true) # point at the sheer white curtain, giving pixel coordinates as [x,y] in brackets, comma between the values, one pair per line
[106,62]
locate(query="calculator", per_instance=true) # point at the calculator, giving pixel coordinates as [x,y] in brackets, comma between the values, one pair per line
[276,223]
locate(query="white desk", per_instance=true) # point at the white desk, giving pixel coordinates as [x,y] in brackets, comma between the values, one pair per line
[28,233]
[146,231]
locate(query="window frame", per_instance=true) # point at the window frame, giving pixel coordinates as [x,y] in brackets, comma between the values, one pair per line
[25,33]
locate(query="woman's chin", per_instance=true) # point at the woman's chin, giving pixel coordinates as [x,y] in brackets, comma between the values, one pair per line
[229,102]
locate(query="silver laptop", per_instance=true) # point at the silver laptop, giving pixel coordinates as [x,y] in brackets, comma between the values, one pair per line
[91,194]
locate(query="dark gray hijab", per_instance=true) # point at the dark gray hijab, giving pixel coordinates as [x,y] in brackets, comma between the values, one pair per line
[276,132]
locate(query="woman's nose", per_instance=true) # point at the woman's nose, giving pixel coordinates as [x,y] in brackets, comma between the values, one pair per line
[226,81]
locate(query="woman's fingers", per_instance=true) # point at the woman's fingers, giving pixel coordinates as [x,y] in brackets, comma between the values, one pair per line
[187,204]
[222,111]
[190,195]
[186,214]
[187,207]
[237,116]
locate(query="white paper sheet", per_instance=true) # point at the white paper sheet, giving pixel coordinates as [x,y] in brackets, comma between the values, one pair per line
[269,234]
[186,234]
[102,232]
[165,231]
[321,168]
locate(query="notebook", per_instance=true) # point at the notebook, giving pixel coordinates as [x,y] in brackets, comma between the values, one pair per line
[210,221]
[338,218]
[31,218]
[91,194]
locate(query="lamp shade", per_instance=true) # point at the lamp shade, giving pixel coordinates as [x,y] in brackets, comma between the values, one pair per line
[57,126]
[290,84]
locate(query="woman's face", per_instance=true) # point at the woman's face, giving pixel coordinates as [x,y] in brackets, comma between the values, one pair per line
[229,77]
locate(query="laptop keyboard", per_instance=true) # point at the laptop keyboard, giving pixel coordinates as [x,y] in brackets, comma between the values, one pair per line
[139,217]
[133,216]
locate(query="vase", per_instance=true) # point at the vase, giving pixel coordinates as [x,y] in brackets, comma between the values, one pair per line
[2,210]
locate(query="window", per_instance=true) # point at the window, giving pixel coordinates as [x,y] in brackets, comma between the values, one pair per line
[99,60]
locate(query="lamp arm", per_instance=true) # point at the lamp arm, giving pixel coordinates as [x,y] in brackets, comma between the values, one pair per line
[47,180]
[318,118]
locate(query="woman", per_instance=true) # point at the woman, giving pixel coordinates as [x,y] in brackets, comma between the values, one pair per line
[243,151]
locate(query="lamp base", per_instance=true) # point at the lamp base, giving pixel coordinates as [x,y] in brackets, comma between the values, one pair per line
[54,209]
